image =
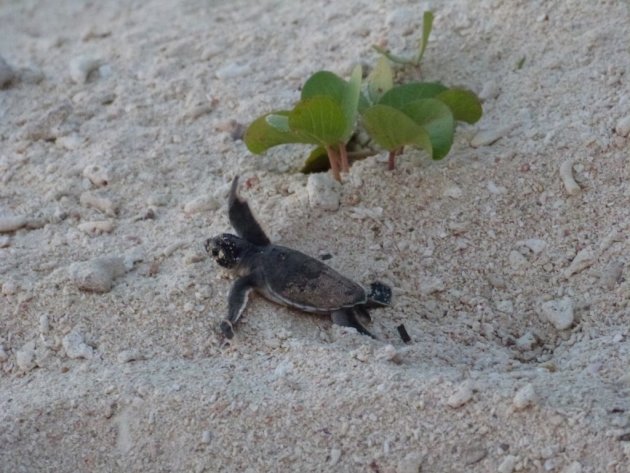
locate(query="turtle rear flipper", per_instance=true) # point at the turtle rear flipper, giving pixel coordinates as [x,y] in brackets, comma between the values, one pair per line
[380,294]
[347,318]
[243,220]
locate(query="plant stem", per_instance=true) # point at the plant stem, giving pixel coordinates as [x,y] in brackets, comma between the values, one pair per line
[333,157]
[391,163]
[345,167]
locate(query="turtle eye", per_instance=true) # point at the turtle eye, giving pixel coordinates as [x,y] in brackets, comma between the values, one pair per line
[215,252]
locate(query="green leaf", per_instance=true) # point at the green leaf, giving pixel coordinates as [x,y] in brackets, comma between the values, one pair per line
[279,121]
[320,119]
[437,120]
[401,95]
[262,135]
[427,26]
[390,56]
[390,128]
[364,103]
[350,101]
[324,83]
[465,105]
[380,80]
[317,161]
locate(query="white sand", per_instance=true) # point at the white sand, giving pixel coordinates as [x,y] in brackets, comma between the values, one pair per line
[477,247]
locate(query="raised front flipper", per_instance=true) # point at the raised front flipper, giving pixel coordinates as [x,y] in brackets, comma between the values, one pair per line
[237,300]
[243,220]
[347,318]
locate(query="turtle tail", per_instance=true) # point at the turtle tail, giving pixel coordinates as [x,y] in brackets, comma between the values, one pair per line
[380,294]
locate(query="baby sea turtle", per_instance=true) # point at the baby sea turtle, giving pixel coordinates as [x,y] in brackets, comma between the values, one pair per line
[286,276]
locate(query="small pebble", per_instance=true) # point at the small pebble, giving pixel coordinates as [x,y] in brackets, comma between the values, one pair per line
[537,246]
[202,203]
[9,287]
[490,90]
[475,455]
[283,368]
[323,191]
[463,393]
[494,189]
[550,464]
[573,467]
[75,347]
[158,200]
[622,128]
[526,342]
[5,241]
[400,18]
[97,275]
[235,129]
[173,247]
[6,73]
[524,397]
[584,259]
[25,357]
[232,70]
[11,224]
[44,324]
[126,356]
[95,228]
[389,353]
[559,312]
[412,463]
[508,464]
[335,455]
[496,281]
[516,260]
[611,275]
[362,213]
[487,137]
[105,205]
[81,67]
[206,437]
[70,142]
[98,175]
[195,111]
[506,306]
[363,353]
[431,286]
[454,192]
[46,127]
[566,175]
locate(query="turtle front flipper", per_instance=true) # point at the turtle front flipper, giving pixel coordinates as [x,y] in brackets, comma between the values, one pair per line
[347,318]
[243,220]
[237,300]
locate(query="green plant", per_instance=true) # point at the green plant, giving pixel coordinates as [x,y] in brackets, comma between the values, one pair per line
[419,114]
[427,26]
[325,116]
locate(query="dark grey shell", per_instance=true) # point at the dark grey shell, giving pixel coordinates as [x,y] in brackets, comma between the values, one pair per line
[295,279]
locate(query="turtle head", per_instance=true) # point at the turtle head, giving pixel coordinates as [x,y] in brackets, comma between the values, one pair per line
[227,250]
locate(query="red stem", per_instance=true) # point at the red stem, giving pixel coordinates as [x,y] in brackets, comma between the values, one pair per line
[333,157]
[391,163]
[345,166]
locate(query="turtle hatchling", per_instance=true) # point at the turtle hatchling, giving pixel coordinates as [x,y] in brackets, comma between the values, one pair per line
[286,276]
